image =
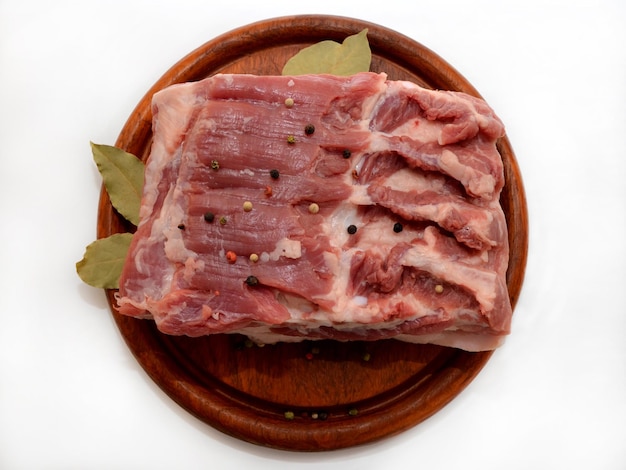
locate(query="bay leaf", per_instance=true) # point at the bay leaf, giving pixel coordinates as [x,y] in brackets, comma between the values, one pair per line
[122,174]
[102,263]
[350,57]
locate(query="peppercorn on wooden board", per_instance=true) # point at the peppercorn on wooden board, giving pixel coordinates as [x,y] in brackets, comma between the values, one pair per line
[309,396]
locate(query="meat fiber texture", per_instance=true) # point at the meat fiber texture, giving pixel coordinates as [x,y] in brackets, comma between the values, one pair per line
[290,167]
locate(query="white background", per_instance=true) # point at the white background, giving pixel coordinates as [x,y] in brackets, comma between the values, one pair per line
[554,396]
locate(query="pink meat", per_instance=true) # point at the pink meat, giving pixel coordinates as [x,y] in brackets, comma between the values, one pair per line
[415,171]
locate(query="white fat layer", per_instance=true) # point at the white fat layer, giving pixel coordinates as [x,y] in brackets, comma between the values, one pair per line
[359,196]
[286,248]
[470,341]
[478,183]
[406,179]
[428,130]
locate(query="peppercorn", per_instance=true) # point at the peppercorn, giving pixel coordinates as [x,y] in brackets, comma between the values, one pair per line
[254,257]
[231,257]
[209,216]
[252,281]
[247,206]
[181,226]
[309,129]
[353,412]
[289,102]
[222,220]
[347,153]
[314,208]
[352,229]
[438,288]
[268,191]
[291,139]
[215,164]
[397,227]
[289,415]
[274,174]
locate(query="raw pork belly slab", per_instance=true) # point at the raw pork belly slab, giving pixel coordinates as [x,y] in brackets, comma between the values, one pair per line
[316,206]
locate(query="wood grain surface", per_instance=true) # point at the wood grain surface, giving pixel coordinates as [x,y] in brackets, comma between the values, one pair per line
[340,394]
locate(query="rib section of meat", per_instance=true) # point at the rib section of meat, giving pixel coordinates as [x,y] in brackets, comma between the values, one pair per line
[321,207]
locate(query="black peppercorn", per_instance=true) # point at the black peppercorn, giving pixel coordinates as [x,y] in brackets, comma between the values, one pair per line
[252,280]
[209,217]
[347,153]
[309,129]
[351,229]
[274,174]
[397,227]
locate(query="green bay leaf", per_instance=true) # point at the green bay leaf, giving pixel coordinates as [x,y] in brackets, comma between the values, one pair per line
[103,261]
[350,57]
[122,174]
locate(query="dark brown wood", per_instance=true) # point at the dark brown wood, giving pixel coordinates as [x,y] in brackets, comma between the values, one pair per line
[246,390]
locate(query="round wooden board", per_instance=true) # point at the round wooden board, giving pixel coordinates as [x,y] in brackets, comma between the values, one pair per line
[341,394]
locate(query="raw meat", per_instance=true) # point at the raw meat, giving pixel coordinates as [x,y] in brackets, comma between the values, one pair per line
[317,206]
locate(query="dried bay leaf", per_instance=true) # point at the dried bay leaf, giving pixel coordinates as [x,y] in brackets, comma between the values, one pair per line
[122,175]
[350,57]
[103,261]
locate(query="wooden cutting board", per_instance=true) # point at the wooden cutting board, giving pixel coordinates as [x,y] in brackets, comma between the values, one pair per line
[310,396]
